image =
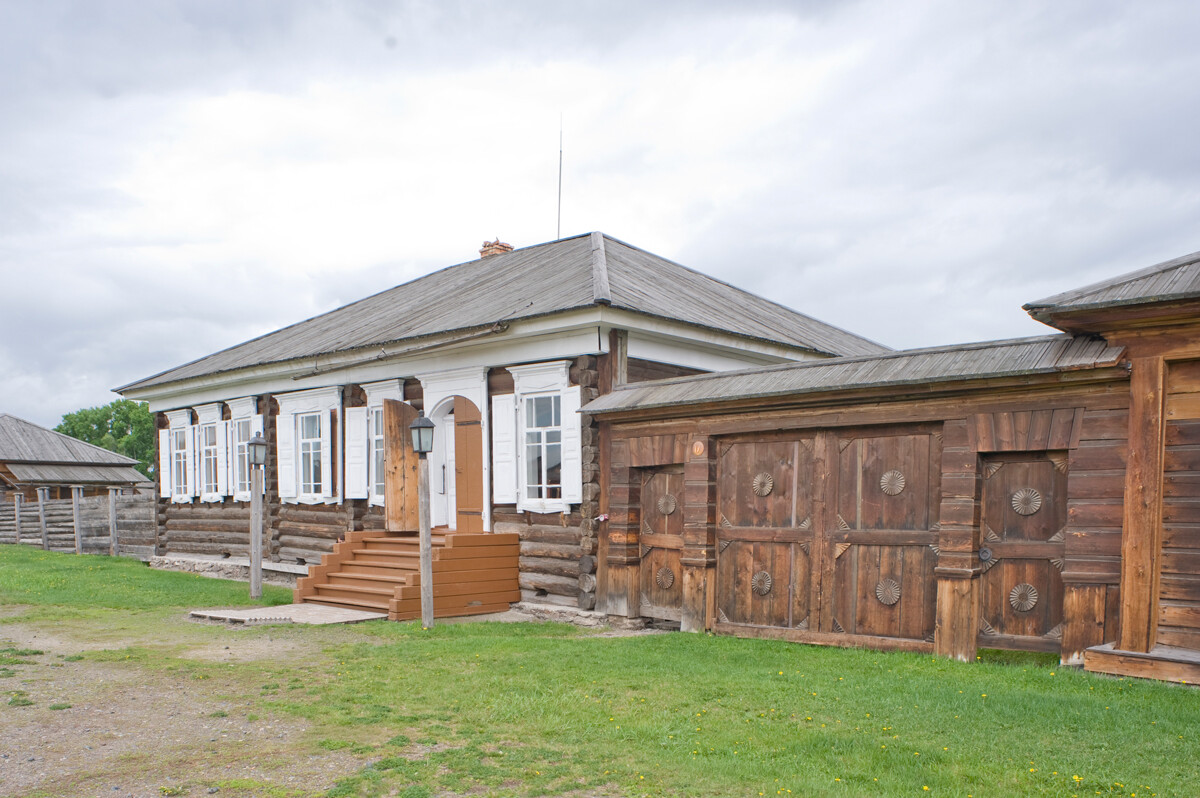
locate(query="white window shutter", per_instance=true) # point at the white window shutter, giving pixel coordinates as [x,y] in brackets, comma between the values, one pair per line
[223,458]
[572,446]
[327,456]
[164,463]
[285,455]
[190,451]
[357,439]
[504,449]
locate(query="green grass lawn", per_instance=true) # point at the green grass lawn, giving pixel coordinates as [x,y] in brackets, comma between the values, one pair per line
[525,709]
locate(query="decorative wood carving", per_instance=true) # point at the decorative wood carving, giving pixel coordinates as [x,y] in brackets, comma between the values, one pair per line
[667,504]
[837,627]
[929,637]
[1023,597]
[842,523]
[804,546]
[806,524]
[761,583]
[844,442]
[992,468]
[721,616]
[937,436]
[697,448]
[725,522]
[724,544]
[840,549]
[985,628]
[1055,633]
[887,591]
[1058,562]
[892,482]
[1059,460]
[803,623]
[937,550]
[646,601]
[937,527]
[647,529]
[645,550]
[1026,501]
[1057,537]
[763,484]
[988,564]
[725,447]
[664,578]
[807,443]
[990,535]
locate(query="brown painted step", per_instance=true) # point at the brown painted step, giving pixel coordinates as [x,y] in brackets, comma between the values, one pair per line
[375,595]
[458,589]
[479,575]
[357,604]
[498,601]
[365,580]
[396,570]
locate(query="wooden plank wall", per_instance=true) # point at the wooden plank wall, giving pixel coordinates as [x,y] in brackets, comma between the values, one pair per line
[135,524]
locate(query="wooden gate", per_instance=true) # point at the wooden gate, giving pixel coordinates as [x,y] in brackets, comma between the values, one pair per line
[661,542]
[468,466]
[1179,582]
[1023,517]
[829,532]
[400,467]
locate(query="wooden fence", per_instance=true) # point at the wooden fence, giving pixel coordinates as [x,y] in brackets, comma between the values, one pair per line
[119,524]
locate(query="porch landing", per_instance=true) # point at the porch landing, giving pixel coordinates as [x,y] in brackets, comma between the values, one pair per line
[313,614]
[1161,662]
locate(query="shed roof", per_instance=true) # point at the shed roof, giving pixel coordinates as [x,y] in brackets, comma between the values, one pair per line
[914,367]
[39,473]
[25,442]
[1171,280]
[586,270]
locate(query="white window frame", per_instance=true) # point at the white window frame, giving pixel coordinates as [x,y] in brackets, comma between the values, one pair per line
[180,439]
[529,383]
[543,444]
[292,406]
[309,451]
[242,411]
[212,453]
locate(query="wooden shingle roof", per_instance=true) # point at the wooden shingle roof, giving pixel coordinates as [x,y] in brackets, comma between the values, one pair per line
[34,455]
[1171,280]
[586,270]
[914,367]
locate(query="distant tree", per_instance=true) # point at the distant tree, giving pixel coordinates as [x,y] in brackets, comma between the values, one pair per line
[124,426]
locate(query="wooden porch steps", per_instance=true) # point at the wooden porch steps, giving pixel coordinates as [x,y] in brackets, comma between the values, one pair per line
[1161,662]
[472,574]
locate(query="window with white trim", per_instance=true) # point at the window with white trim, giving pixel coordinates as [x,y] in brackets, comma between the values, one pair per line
[378,479]
[179,463]
[308,435]
[543,447]
[242,432]
[208,457]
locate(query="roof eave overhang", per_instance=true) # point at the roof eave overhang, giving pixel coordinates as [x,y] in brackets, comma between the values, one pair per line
[1101,318]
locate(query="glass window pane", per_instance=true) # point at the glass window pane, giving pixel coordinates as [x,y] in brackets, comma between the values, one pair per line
[310,426]
[557,411]
[553,464]
[553,436]
[544,411]
[533,465]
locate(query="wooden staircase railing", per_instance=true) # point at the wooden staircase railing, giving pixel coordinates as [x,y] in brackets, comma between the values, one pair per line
[379,571]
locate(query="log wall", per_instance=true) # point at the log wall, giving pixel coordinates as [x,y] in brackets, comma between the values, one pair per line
[134,520]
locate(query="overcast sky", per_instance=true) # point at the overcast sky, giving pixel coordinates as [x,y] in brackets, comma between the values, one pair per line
[178,177]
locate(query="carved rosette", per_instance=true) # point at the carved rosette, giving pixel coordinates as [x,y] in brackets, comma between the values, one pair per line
[1026,501]
[1023,597]
[664,578]
[887,591]
[892,483]
[761,583]
[667,504]
[763,484]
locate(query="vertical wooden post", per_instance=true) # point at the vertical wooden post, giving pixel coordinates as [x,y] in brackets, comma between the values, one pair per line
[618,347]
[41,494]
[426,545]
[76,495]
[698,558]
[1142,523]
[17,499]
[114,545]
[256,531]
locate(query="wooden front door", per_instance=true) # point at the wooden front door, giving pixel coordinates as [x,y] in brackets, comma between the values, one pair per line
[401,501]
[1179,579]
[1023,516]
[661,542]
[468,466]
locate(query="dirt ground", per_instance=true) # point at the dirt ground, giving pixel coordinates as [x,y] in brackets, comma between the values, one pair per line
[138,732]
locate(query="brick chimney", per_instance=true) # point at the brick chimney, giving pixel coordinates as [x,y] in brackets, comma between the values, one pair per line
[496,247]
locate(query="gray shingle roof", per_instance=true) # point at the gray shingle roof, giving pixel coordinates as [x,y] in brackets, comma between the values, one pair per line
[1170,280]
[36,473]
[1021,356]
[24,441]
[586,270]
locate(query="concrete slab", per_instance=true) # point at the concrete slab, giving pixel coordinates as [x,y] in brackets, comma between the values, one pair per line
[315,614]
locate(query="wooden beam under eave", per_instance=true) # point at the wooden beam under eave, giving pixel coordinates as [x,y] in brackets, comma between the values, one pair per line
[1141,533]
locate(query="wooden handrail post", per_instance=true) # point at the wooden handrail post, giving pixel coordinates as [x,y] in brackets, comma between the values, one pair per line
[41,494]
[76,495]
[114,545]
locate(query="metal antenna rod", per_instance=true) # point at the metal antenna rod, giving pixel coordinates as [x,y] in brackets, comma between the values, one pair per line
[558,231]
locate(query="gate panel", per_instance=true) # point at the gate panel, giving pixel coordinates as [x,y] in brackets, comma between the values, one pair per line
[661,542]
[881,574]
[1179,582]
[1023,516]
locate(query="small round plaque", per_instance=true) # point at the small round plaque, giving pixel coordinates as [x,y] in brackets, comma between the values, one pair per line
[698,448]
[761,583]
[985,554]
[887,591]
[1026,501]
[763,484]
[1023,597]
[892,483]
[667,504]
[664,578]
